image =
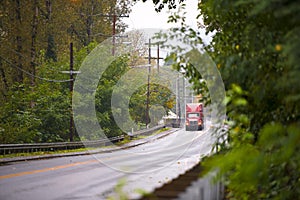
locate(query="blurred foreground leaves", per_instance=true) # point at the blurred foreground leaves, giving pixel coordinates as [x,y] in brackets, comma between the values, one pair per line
[255,45]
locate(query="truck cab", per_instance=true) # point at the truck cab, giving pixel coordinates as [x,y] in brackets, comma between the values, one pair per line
[194,117]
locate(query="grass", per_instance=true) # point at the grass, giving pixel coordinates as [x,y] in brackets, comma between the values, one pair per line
[162,130]
[40,153]
[127,139]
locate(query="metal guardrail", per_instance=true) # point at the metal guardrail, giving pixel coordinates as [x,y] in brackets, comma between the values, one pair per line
[147,131]
[35,147]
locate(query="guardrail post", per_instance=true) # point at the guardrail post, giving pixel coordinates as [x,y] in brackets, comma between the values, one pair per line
[35,147]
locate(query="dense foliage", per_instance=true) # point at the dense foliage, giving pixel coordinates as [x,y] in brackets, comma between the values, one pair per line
[35,113]
[256,47]
[34,39]
[159,96]
[37,31]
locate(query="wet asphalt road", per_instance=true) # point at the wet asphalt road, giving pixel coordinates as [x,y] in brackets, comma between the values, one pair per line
[94,176]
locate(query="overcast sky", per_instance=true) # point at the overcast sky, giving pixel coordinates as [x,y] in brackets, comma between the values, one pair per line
[143,15]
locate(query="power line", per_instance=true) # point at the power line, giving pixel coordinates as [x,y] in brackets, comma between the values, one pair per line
[32,75]
[22,55]
[103,15]
[104,35]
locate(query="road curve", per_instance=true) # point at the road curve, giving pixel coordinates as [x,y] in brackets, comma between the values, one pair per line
[94,176]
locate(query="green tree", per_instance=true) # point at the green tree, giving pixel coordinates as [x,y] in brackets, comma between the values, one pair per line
[255,51]
[104,96]
[255,45]
[94,19]
[47,120]
[29,29]
[161,100]
[17,122]
[34,41]
[51,52]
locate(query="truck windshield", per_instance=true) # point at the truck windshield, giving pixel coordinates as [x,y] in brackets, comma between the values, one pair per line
[189,115]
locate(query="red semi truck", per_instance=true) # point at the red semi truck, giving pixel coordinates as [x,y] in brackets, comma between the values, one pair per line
[194,117]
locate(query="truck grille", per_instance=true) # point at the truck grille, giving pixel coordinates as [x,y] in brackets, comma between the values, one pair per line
[193,123]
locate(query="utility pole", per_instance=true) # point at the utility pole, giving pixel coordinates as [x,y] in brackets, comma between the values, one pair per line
[154,58]
[71,72]
[158,58]
[149,74]
[114,33]
[178,101]
[71,128]
[148,85]
[184,99]
[114,16]
[114,20]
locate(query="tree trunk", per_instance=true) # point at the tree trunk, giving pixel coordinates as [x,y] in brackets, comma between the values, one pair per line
[3,79]
[33,40]
[90,22]
[51,46]
[49,10]
[19,76]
